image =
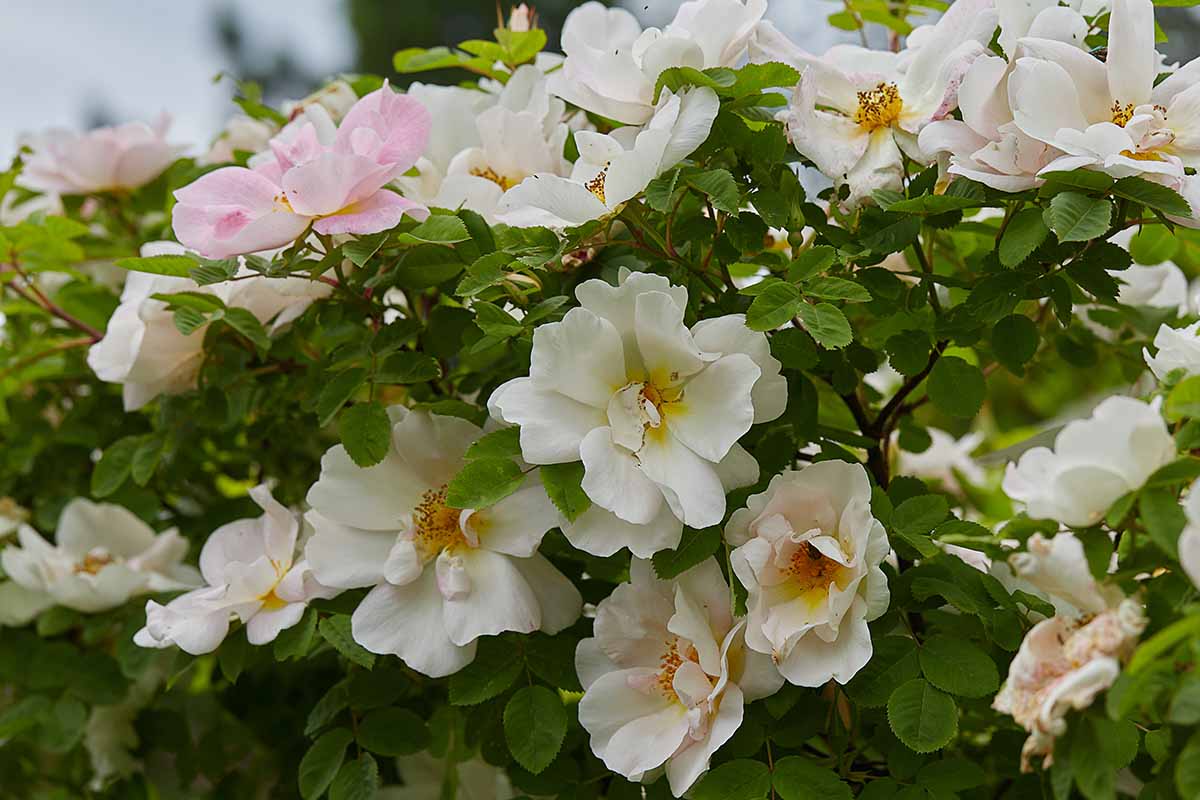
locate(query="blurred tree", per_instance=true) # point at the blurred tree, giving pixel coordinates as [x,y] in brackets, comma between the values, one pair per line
[385,26]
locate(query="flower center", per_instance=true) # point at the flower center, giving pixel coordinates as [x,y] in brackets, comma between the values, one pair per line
[96,560]
[1121,114]
[1142,155]
[282,203]
[436,526]
[670,662]
[811,569]
[596,184]
[489,174]
[879,107]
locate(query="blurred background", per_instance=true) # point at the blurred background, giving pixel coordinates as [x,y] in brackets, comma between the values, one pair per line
[79,65]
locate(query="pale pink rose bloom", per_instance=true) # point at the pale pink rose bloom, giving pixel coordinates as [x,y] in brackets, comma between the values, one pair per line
[334,182]
[1064,662]
[105,159]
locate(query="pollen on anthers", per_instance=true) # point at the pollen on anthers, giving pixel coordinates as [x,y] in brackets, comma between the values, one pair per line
[596,184]
[1121,114]
[879,107]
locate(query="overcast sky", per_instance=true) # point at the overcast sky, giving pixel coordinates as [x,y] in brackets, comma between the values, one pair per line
[66,60]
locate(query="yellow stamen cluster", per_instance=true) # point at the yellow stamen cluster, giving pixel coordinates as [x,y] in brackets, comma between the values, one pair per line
[1143,155]
[435,523]
[94,562]
[596,184]
[1121,114]
[811,569]
[879,107]
[487,173]
[670,662]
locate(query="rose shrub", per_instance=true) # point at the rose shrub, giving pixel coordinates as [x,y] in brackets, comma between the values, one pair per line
[684,414]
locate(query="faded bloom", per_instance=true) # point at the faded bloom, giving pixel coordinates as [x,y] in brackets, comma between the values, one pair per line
[102,556]
[857,113]
[612,65]
[612,168]
[144,351]
[332,180]
[124,157]
[252,573]
[667,675]
[1064,662]
[945,460]
[808,552]
[1177,349]
[652,408]
[441,577]
[1057,569]
[1094,462]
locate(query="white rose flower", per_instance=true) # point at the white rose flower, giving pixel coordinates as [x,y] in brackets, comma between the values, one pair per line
[252,573]
[654,410]
[612,65]
[102,556]
[441,577]
[944,457]
[1189,539]
[1178,349]
[667,675]
[425,777]
[612,168]
[1063,663]
[808,552]
[144,351]
[102,160]
[1057,570]
[1094,462]
[521,134]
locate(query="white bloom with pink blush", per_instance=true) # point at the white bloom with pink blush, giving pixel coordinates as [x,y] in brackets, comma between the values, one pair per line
[652,408]
[440,577]
[101,557]
[124,157]
[945,460]
[808,552]
[1063,664]
[667,675]
[1094,461]
[336,184]
[146,353]
[252,574]
[857,113]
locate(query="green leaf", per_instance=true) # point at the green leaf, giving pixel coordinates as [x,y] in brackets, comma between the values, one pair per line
[1163,517]
[959,667]
[503,443]
[794,348]
[1015,341]
[322,762]
[811,262]
[563,483]
[393,732]
[776,305]
[356,780]
[827,324]
[951,775]
[894,661]
[720,188]
[177,266]
[535,723]
[957,387]
[1184,400]
[495,321]
[695,547]
[114,466]
[296,641]
[829,288]
[146,458]
[922,717]
[908,351]
[797,778]
[438,229]
[245,323]
[1187,768]
[361,249]
[754,78]
[1153,244]
[336,392]
[407,367]
[484,482]
[1155,647]
[918,516]
[198,301]
[366,433]
[1025,232]
[487,271]
[1152,195]
[740,779]
[1077,217]
[22,715]
[332,703]
[215,271]
[336,631]
[497,664]
[1181,470]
